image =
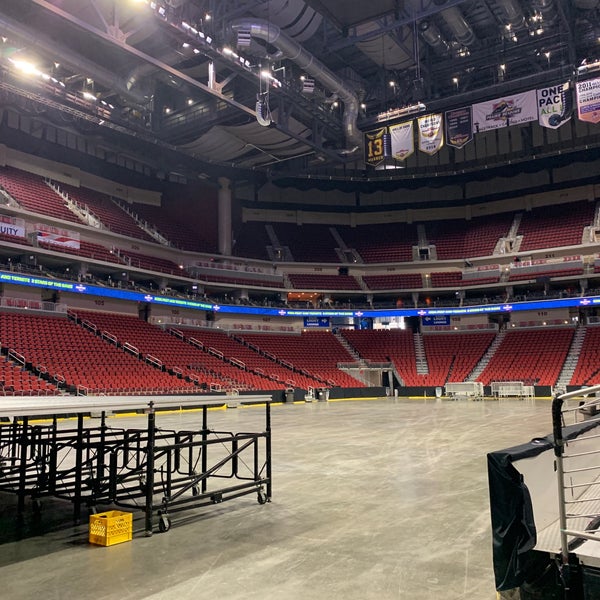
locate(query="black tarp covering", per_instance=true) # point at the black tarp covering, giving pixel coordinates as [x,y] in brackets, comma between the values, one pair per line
[513,525]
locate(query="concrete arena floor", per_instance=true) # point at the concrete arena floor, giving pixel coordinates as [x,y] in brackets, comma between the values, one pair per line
[372,499]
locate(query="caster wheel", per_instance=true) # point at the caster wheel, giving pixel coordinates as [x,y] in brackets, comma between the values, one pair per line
[195,490]
[262,497]
[164,523]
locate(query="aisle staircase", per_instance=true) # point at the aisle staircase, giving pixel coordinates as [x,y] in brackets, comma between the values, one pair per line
[570,364]
[421,359]
[351,350]
[485,359]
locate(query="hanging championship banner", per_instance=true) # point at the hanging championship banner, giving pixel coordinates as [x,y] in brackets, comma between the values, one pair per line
[588,100]
[459,127]
[555,105]
[431,133]
[510,110]
[374,146]
[403,141]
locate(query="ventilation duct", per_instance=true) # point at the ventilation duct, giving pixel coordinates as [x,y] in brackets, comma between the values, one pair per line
[513,15]
[461,30]
[294,17]
[43,45]
[384,50]
[431,34]
[292,50]
[586,4]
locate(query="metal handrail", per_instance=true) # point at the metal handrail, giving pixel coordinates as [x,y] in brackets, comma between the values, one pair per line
[558,423]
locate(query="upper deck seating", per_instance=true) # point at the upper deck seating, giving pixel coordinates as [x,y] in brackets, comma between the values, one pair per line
[381,243]
[459,239]
[251,241]
[33,194]
[406,281]
[112,217]
[175,227]
[555,226]
[311,281]
[308,243]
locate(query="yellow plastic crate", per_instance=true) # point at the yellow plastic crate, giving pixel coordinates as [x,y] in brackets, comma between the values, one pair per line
[110,528]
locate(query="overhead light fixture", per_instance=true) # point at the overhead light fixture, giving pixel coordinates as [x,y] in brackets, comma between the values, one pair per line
[393,113]
[25,67]
[586,67]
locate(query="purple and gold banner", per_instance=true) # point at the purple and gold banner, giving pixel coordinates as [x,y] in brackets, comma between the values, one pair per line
[459,127]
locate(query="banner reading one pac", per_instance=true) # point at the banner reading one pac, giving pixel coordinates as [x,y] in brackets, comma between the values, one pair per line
[555,105]
[501,112]
[403,141]
[459,127]
[588,100]
[431,133]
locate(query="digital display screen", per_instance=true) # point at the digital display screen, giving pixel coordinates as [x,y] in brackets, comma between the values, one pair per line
[133,296]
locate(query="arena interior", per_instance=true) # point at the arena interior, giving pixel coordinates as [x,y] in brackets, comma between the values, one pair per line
[320,258]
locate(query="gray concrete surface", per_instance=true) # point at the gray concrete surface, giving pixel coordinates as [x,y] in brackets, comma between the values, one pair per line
[380,499]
